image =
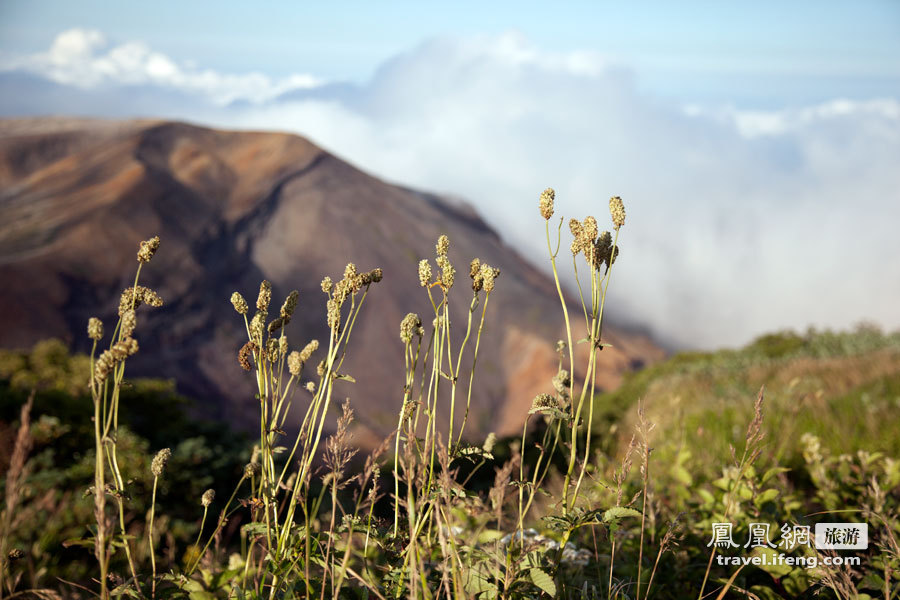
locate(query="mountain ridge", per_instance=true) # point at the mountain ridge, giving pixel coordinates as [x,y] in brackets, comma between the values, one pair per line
[232,208]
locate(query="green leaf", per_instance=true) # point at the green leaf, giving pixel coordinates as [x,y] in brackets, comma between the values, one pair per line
[707,497]
[617,512]
[344,377]
[772,472]
[489,535]
[544,581]
[766,496]
[682,475]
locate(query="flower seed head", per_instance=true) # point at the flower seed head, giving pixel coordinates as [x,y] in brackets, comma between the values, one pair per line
[333,316]
[448,273]
[95,329]
[207,498]
[443,245]
[409,326]
[489,442]
[590,229]
[129,322]
[265,296]
[350,271]
[376,275]
[327,285]
[277,324]
[239,304]
[424,272]
[290,304]
[311,387]
[244,355]
[258,327]
[617,211]
[577,235]
[489,274]
[158,464]
[251,469]
[148,249]
[546,203]
[542,401]
[308,349]
[295,364]
[272,347]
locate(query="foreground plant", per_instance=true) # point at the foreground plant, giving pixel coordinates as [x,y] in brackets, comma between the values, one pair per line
[309,532]
[107,373]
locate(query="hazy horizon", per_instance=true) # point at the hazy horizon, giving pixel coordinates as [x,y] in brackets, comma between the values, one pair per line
[758,165]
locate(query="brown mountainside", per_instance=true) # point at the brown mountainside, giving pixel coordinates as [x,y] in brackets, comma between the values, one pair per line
[232,208]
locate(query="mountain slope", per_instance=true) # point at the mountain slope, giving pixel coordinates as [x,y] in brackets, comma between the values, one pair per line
[232,208]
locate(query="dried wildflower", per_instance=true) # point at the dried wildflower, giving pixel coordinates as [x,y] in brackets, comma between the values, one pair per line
[546,203]
[290,304]
[282,345]
[95,329]
[129,322]
[409,326]
[103,366]
[158,464]
[251,469]
[277,324]
[474,274]
[327,285]
[542,401]
[488,275]
[295,364]
[258,328]
[320,368]
[443,246]
[342,290]
[590,229]
[132,297]
[561,382]
[424,272]
[333,316]
[239,304]
[121,350]
[350,271]
[148,249]
[577,235]
[207,498]
[308,349]
[448,273]
[245,353]
[352,279]
[377,275]
[272,347]
[617,211]
[409,407]
[265,296]
[489,442]
[311,387]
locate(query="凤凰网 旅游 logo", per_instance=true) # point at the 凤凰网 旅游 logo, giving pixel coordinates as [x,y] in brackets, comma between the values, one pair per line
[842,536]
[826,536]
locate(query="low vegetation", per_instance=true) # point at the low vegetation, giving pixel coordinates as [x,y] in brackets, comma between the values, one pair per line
[110,490]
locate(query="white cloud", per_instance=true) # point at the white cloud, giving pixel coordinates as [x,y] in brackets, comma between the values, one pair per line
[85,59]
[739,222]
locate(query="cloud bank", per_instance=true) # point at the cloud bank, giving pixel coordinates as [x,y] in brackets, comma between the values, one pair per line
[739,222]
[85,59]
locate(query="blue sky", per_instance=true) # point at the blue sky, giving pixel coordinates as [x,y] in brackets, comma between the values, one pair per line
[756,144]
[762,53]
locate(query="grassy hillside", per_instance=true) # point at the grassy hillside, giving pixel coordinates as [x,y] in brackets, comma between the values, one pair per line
[112,491]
